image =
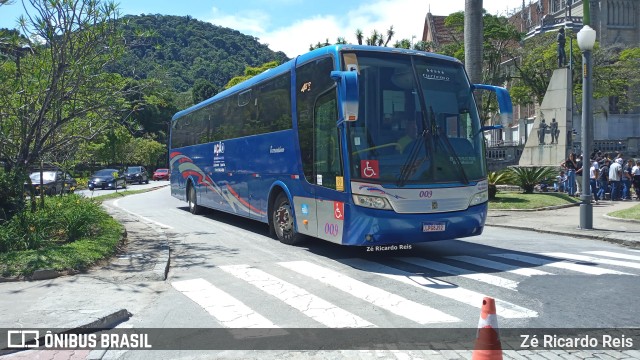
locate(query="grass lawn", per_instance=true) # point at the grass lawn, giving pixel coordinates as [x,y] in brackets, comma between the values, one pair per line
[518,200]
[119,194]
[632,213]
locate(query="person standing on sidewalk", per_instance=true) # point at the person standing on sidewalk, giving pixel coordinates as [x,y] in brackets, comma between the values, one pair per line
[627,179]
[594,174]
[636,179]
[570,167]
[615,175]
[579,165]
[603,181]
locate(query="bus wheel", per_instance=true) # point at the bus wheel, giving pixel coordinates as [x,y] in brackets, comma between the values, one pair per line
[193,201]
[282,221]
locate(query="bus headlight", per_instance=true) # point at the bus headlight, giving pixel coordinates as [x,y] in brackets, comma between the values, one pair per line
[374,202]
[479,198]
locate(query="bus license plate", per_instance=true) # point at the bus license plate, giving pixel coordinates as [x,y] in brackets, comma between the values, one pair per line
[434,226]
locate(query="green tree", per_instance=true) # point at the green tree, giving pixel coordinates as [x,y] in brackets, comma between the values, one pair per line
[145,151]
[497,42]
[377,38]
[57,94]
[202,90]
[250,72]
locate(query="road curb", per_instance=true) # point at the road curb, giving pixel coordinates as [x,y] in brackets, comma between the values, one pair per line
[578,234]
[539,209]
[109,321]
[620,219]
[161,268]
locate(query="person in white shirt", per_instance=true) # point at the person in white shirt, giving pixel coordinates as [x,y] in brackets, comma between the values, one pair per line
[561,182]
[635,172]
[615,175]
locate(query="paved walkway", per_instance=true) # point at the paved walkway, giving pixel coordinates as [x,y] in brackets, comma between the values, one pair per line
[137,275]
[566,221]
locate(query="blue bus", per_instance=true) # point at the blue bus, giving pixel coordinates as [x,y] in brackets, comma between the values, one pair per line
[357,145]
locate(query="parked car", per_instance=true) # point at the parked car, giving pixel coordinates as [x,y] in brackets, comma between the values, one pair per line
[53,182]
[107,178]
[136,174]
[161,174]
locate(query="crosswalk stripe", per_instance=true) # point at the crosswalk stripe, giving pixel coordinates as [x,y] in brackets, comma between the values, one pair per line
[594,259]
[445,268]
[229,311]
[396,304]
[439,287]
[314,307]
[558,263]
[614,255]
[499,266]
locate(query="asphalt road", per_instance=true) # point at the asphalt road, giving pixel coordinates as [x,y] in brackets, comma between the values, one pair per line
[226,272]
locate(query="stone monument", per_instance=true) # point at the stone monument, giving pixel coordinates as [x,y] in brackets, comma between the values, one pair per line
[557,104]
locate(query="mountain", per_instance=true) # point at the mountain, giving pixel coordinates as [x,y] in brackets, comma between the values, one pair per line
[185,49]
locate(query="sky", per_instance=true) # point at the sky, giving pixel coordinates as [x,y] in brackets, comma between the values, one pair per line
[291,26]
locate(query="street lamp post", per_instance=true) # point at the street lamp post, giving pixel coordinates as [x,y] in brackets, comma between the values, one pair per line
[586,40]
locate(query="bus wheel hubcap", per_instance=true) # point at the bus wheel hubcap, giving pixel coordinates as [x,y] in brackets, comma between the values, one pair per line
[283,220]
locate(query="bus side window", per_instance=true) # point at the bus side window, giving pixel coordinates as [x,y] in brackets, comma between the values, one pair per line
[327,162]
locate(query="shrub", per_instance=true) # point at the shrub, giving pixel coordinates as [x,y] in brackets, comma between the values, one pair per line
[11,197]
[64,219]
[497,178]
[527,177]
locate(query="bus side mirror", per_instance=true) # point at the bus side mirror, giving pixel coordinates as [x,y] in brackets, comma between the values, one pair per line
[504,101]
[347,82]
[490,127]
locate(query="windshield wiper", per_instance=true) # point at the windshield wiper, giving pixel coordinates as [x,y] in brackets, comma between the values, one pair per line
[410,165]
[449,148]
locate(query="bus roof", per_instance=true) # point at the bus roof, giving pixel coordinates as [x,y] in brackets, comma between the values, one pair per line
[283,68]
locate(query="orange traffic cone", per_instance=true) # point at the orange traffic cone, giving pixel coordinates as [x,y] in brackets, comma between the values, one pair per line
[487,342]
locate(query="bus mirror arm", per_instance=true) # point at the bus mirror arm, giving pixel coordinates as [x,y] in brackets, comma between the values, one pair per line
[347,82]
[504,101]
[490,127]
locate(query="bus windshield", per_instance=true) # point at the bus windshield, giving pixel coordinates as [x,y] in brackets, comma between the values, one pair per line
[417,122]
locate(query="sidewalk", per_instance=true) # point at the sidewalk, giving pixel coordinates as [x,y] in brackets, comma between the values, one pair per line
[102,297]
[566,221]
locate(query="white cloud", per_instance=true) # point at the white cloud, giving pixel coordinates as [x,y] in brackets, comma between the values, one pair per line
[250,22]
[406,16]
[295,39]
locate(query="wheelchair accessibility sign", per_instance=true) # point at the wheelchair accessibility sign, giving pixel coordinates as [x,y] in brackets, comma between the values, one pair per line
[369,169]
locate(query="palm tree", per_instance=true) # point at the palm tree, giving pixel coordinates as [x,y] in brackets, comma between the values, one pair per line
[497,178]
[527,177]
[390,33]
[473,30]
[359,36]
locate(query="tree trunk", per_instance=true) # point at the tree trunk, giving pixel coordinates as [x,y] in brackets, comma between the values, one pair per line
[473,39]
[493,190]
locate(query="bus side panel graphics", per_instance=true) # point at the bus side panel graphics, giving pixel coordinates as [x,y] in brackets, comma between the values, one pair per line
[187,168]
[323,219]
[331,219]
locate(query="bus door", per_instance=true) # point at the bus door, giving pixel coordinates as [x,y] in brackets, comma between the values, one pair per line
[318,211]
[329,184]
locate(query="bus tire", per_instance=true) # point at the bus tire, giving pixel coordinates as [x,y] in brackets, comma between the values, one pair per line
[282,221]
[192,198]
